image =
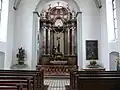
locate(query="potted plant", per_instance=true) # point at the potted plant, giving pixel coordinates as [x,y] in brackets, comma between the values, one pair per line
[21,56]
[93,63]
[118,63]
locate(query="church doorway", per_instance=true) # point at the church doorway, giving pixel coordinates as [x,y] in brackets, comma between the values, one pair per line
[57,40]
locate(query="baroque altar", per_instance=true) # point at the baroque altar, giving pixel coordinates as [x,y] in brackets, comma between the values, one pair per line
[57,44]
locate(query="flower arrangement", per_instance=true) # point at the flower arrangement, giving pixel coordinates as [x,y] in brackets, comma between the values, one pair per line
[118,63]
[93,63]
[118,60]
[21,55]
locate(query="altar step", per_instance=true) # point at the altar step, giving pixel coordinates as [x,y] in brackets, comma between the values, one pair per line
[57,77]
[56,84]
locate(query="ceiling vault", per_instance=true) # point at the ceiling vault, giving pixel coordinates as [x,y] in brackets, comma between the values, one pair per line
[17,3]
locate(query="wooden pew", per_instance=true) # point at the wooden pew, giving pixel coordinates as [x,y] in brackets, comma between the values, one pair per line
[11,87]
[98,83]
[26,82]
[25,74]
[74,76]
[35,78]
[40,76]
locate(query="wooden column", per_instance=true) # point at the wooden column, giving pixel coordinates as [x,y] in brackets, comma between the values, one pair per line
[73,39]
[49,39]
[68,41]
[38,34]
[64,44]
[53,40]
[44,39]
[75,47]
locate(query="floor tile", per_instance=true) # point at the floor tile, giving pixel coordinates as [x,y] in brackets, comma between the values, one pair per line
[56,84]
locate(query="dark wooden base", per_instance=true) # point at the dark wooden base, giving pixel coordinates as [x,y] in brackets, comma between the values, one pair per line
[57,70]
[45,60]
[94,69]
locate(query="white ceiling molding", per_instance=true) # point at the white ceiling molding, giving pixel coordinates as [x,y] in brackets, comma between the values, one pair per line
[16,4]
[98,3]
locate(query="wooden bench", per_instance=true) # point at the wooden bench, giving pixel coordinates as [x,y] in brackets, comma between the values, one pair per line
[11,87]
[19,78]
[36,79]
[26,82]
[76,74]
[28,78]
[98,83]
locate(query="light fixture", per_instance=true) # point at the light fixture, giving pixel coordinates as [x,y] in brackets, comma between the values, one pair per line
[16,4]
[98,3]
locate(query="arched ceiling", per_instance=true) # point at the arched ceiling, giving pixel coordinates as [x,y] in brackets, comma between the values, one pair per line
[56,3]
[73,5]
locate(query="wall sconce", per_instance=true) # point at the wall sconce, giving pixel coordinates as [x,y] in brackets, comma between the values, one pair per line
[98,3]
[16,4]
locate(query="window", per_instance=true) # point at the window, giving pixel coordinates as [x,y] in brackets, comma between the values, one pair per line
[0,8]
[4,19]
[110,24]
[111,20]
[115,18]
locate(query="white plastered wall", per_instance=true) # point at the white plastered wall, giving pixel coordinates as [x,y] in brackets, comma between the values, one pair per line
[2,58]
[24,30]
[10,36]
[115,45]
[104,36]
[5,34]
[20,31]
[92,24]
[91,29]
[88,28]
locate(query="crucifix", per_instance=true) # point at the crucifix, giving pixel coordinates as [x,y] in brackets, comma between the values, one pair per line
[58,46]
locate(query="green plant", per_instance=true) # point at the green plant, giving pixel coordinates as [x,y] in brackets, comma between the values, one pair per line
[21,55]
[93,63]
[118,60]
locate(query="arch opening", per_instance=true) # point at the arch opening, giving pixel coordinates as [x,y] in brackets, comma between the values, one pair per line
[58,38]
[58,21]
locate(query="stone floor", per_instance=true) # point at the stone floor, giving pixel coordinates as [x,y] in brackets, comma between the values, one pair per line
[56,84]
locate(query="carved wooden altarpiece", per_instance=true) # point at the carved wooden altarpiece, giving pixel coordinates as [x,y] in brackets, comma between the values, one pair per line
[58,36]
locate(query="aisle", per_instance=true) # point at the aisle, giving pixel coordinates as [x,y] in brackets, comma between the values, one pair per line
[56,84]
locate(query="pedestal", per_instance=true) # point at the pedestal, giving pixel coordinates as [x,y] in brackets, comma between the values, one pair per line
[19,67]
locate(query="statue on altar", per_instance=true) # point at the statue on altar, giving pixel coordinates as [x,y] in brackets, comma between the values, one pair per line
[56,49]
[58,57]
[58,46]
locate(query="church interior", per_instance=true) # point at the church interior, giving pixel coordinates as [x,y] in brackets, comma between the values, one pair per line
[59,44]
